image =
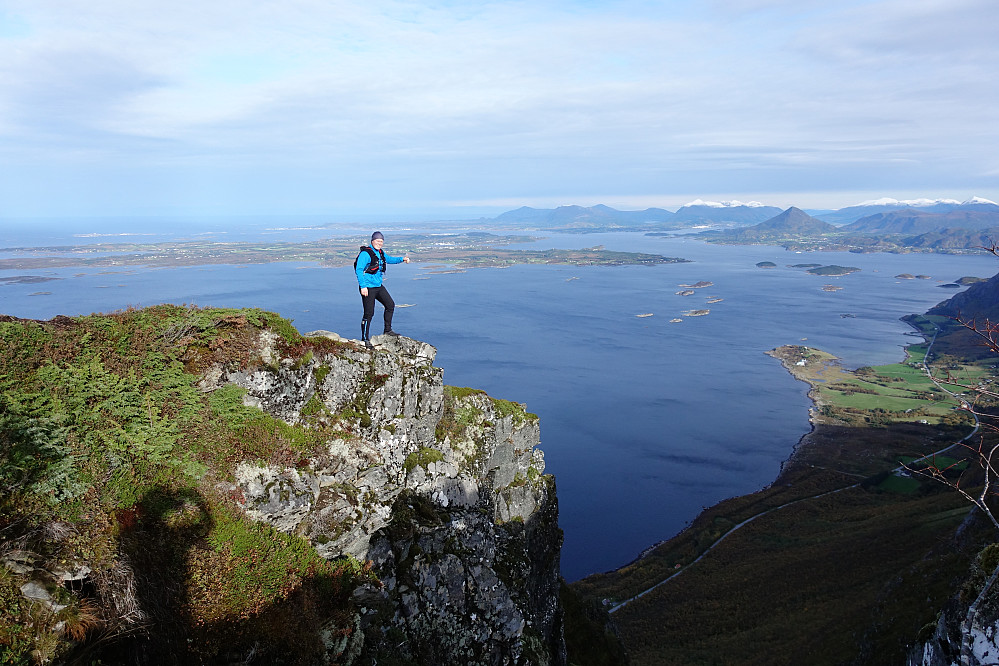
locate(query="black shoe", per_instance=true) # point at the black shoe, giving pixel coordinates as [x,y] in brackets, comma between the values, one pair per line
[391,333]
[368,345]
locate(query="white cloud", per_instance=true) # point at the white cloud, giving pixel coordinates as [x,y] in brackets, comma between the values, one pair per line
[499,99]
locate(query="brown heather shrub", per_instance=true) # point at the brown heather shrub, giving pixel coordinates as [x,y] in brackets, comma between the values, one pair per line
[81,618]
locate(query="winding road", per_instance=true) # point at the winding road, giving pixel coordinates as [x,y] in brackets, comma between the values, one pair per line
[935,381]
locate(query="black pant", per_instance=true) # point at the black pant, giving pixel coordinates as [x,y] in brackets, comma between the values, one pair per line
[381,295]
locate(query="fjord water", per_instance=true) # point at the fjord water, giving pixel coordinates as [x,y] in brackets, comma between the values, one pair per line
[643,421]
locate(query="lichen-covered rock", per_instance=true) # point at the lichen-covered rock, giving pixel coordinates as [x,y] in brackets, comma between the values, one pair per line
[282,497]
[967,628]
[442,489]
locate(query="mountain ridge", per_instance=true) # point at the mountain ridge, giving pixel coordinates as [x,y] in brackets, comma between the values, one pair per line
[853,213]
[791,222]
[912,221]
[735,213]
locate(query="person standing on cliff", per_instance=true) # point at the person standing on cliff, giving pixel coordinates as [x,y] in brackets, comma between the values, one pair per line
[370,269]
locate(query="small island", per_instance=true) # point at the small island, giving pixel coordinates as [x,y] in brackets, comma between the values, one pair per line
[766,264]
[26,279]
[833,270]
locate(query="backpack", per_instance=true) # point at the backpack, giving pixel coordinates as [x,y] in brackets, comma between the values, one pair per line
[374,265]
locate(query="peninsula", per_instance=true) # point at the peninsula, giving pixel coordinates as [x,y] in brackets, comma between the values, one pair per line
[461,250]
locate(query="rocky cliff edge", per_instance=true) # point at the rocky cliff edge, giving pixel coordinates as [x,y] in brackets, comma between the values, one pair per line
[442,489]
[206,485]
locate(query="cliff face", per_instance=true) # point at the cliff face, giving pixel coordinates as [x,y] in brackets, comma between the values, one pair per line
[967,629]
[979,301]
[210,486]
[442,489]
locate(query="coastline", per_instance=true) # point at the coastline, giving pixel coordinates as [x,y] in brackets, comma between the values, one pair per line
[806,439]
[803,442]
[800,362]
[808,471]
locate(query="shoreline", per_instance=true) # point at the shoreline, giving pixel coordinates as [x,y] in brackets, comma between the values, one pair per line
[806,438]
[813,392]
[789,357]
[796,449]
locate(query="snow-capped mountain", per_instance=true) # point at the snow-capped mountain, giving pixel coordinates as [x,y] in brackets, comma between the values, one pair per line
[907,203]
[735,203]
[921,221]
[737,212]
[887,205]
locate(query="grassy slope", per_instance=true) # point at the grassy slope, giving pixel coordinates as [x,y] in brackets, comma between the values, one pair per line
[111,456]
[848,577]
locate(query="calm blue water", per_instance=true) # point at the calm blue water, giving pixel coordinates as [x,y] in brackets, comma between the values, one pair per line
[644,422]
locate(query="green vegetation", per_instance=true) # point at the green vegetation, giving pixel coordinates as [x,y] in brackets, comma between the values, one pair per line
[845,558]
[466,417]
[504,408]
[833,269]
[321,372]
[589,635]
[456,392]
[459,413]
[113,456]
[820,582]
[900,484]
[875,396]
[422,457]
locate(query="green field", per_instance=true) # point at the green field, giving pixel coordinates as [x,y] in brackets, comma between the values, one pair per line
[904,389]
[900,484]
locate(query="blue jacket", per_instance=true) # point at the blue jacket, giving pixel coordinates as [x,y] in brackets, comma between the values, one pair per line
[365,280]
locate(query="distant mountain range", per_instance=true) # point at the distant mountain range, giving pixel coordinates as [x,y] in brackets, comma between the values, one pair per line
[584,216]
[957,229]
[601,216]
[736,212]
[912,221]
[951,239]
[881,216]
[868,208]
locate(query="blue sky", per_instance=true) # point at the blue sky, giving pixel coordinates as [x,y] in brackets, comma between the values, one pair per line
[450,108]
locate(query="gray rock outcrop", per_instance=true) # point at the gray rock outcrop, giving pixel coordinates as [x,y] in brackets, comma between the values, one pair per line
[443,490]
[967,628]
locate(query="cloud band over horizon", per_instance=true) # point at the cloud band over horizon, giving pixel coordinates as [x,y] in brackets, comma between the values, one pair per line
[235,107]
